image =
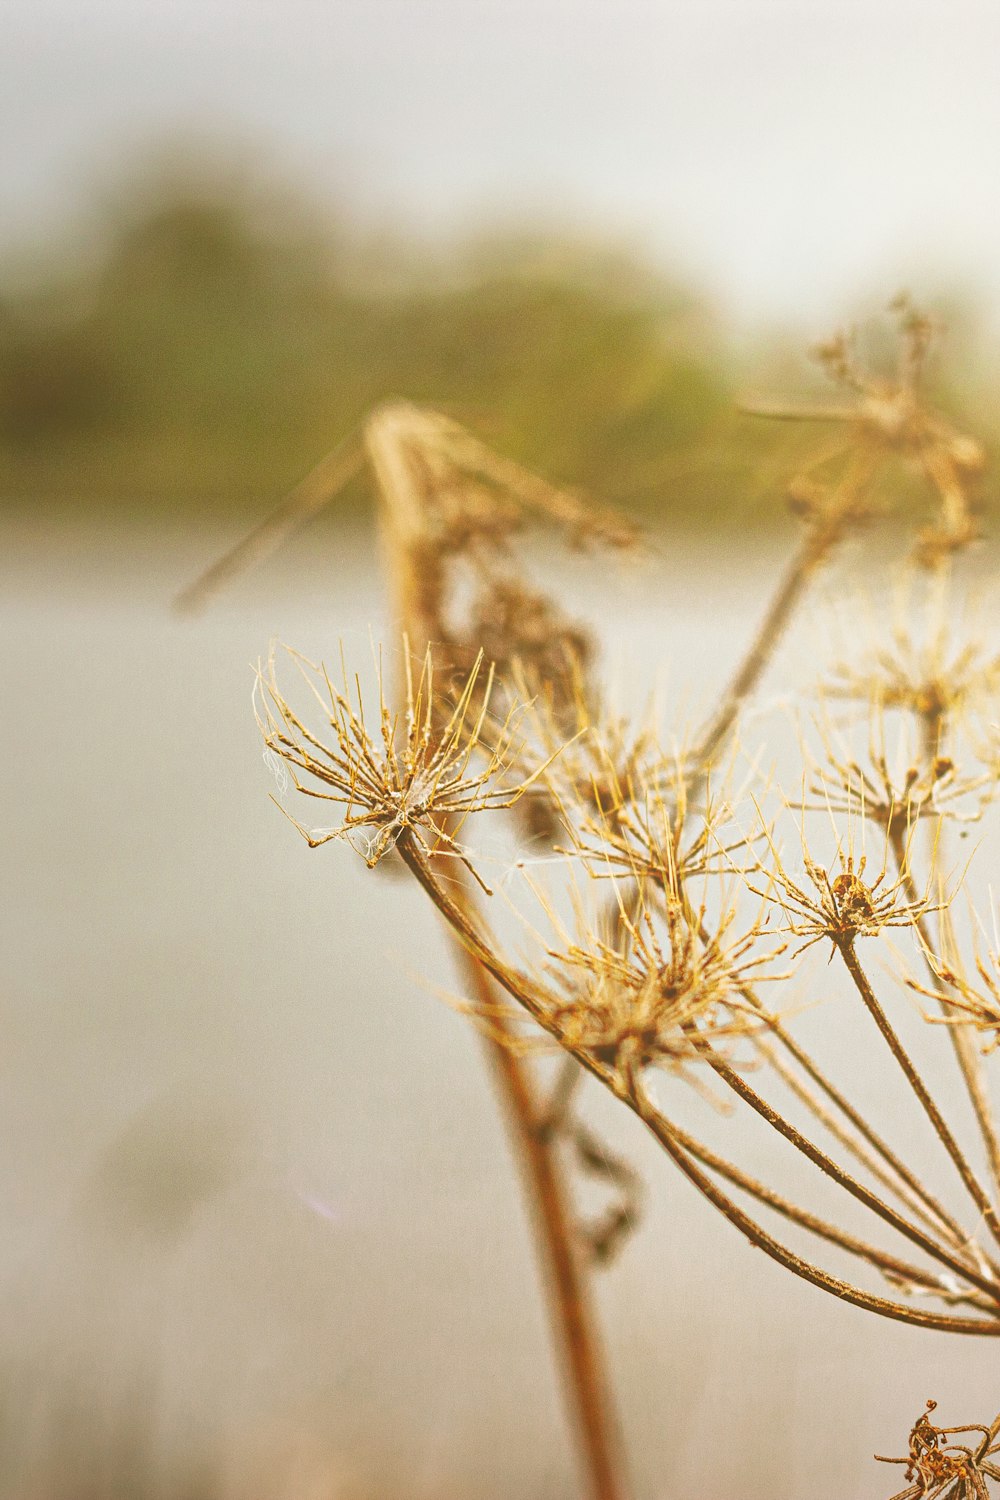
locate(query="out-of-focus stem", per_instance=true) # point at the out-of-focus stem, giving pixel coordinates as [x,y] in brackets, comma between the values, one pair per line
[814,549]
[569,1299]
[308,497]
[972,1184]
[391,435]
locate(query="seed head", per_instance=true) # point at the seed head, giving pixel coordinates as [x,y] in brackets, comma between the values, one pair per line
[885,417]
[668,987]
[934,1467]
[422,772]
[838,903]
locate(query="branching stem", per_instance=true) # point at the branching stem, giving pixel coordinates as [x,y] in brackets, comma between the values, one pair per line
[972,1184]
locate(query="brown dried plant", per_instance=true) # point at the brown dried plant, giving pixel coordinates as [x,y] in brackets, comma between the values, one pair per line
[420,773]
[937,1468]
[657,995]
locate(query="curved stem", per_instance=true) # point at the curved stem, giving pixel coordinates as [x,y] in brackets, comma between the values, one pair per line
[815,547]
[759,1237]
[906,1188]
[965,1053]
[843,1179]
[521,991]
[972,1184]
[890,1264]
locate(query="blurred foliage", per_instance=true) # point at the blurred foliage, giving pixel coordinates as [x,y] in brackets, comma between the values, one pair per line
[207,343]
[214,346]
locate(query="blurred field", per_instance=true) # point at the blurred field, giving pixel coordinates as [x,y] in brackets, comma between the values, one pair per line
[194,343]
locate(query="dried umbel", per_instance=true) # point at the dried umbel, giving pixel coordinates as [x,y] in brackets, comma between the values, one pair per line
[423,772]
[893,788]
[886,417]
[936,1467]
[973,997]
[665,977]
[838,903]
[667,991]
[942,673]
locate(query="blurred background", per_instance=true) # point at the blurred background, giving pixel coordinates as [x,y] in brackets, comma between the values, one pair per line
[262,1234]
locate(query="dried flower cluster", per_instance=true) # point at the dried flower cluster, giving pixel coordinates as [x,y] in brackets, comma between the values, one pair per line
[935,1467]
[680,891]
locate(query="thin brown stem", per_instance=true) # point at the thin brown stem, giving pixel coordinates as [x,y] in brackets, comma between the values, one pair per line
[972,1184]
[390,436]
[308,497]
[663,1131]
[815,547]
[570,1306]
[909,1192]
[889,1264]
[833,1170]
[521,991]
[965,1052]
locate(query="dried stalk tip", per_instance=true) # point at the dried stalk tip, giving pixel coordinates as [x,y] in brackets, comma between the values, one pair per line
[934,1467]
[422,772]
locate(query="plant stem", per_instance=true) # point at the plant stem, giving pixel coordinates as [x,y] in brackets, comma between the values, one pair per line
[833,1170]
[972,1184]
[392,437]
[628,1091]
[902,1270]
[815,547]
[759,1237]
[570,1306]
[905,1186]
[965,1053]
[308,497]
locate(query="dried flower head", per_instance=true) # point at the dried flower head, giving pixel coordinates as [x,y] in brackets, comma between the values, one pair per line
[655,837]
[422,772]
[668,987]
[841,905]
[972,1000]
[888,416]
[935,1467]
[893,789]
[936,678]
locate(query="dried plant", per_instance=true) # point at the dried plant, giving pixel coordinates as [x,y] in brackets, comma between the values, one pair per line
[682,894]
[418,775]
[935,1467]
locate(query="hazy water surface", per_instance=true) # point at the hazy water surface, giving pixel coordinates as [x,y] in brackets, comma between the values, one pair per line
[262,1231]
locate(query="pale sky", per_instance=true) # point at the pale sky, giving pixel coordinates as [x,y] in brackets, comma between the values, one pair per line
[786,156]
